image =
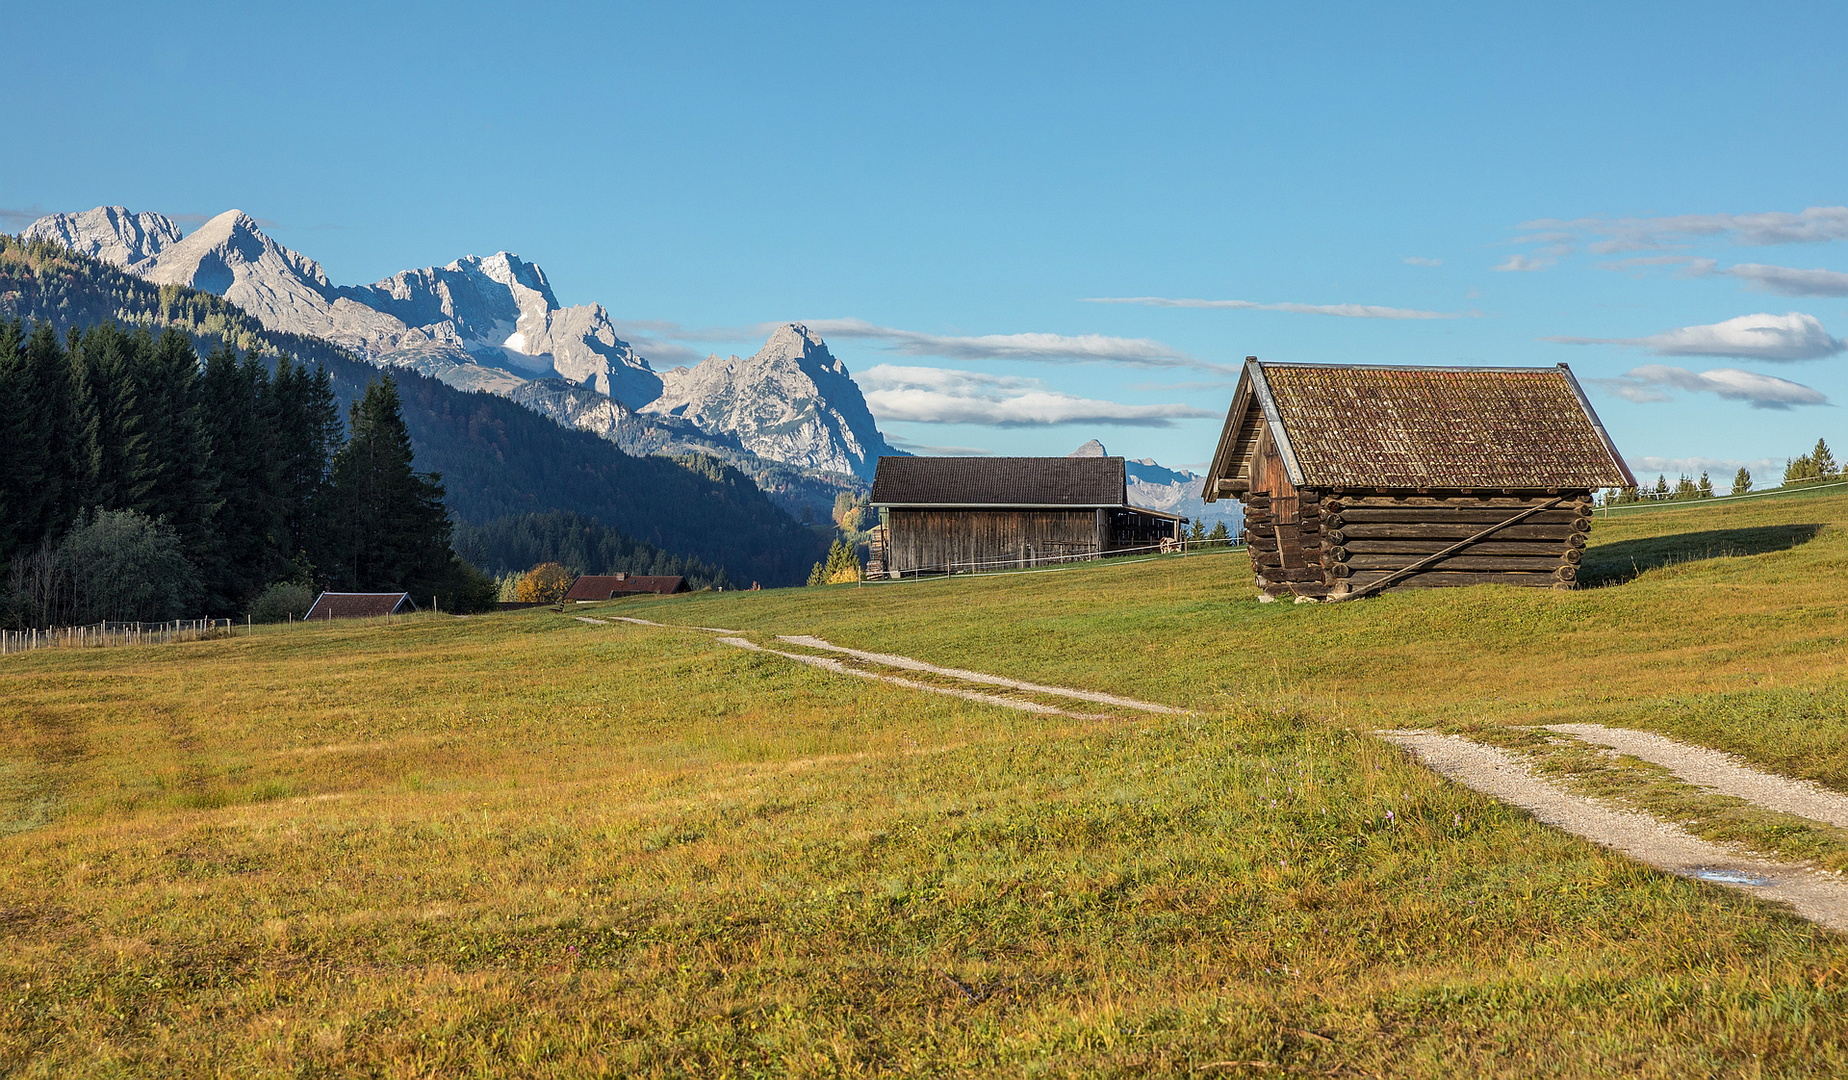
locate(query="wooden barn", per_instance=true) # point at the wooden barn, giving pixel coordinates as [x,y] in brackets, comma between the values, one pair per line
[610,586]
[1361,478]
[960,514]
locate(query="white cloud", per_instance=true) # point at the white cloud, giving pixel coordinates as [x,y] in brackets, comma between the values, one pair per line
[1419,260]
[1763,470]
[1083,348]
[927,395]
[1346,311]
[1789,281]
[1793,336]
[1654,382]
[1812,225]
[1514,263]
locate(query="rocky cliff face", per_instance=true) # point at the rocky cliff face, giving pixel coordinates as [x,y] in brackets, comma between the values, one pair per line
[792,402]
[496,313]
[494,324]
[111,233]
[1171,490]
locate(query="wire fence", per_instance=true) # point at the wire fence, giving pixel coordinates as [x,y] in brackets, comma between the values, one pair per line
[1038,563]
[106,634]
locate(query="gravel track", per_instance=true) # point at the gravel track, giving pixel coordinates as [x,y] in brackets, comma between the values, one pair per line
[1818,897]
[1720,772]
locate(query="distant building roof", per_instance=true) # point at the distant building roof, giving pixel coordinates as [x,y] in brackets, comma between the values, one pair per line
[1077,482]
[1376,426]
[360,605]
[607,586]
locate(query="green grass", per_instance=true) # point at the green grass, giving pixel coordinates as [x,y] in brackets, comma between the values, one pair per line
[525,845]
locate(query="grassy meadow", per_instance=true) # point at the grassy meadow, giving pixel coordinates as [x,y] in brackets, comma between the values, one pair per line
[521,844]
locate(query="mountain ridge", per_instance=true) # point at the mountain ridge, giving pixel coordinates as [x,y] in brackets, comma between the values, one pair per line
[493,323]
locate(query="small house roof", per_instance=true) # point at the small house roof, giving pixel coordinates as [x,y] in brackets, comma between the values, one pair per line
[360,605]
[1393,427]
[605,586]
[1053,482]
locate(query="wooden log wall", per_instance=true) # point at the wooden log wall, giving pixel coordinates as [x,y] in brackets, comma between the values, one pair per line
[1366,537]
[1286,543]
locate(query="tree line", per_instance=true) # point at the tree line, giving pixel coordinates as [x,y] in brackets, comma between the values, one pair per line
[141,483]
[1814,467]
[516,544]
[497,458]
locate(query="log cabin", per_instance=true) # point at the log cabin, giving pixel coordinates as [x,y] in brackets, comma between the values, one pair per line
[962,514]
[1358,478]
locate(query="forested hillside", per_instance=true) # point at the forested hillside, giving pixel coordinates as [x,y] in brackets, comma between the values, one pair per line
[496,458]
[517,543]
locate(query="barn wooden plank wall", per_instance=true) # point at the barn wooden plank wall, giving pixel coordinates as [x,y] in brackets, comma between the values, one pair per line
[1341,541]
[939,540]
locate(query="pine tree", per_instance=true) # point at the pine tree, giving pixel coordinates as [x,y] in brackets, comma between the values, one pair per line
[304,426]
[1219,532]
[1742,483]
[111,446]
[1661,486]
[1704,489]
[180,488]
[1824,461]
[237,559]
[387,527]
[1198,532]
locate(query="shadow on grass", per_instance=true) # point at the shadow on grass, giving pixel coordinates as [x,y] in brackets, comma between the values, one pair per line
[1614,564]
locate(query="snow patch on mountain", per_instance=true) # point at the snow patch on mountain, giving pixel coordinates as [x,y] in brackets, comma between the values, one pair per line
[1173,491]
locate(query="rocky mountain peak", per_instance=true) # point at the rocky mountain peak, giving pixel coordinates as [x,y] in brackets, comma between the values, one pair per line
[1090,449]
[791,401]
[114,234]
[508,269]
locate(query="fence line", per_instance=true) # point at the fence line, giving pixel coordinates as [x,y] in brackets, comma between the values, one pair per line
[1043,563]
[107,634]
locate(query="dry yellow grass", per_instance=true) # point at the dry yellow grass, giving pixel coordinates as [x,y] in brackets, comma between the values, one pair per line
[525,845]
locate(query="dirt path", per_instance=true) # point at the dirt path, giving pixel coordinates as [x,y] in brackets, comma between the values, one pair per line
[908,664]
[1720,772]
[1816,896]
[839,668]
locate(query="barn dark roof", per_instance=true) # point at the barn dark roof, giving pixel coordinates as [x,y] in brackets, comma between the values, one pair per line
[1375,426]
[605,586]
[1000,481]
[360,605]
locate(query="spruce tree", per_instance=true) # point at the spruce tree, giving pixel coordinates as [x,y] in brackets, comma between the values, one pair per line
[386,525]
[1742,483]
[22,477]
[111,446]
[237,559]
[180,488]
[1823,461]
[1705,488]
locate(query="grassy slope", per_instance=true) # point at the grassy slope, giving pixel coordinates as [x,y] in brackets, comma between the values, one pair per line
[524,844]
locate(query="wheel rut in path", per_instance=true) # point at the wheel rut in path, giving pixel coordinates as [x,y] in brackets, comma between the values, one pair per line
[1720,772]
[1819,897]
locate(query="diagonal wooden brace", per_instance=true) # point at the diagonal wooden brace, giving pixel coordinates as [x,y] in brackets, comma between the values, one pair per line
[1380,583]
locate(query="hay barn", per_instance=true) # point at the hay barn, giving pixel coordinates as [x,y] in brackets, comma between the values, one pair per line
[962,514]
[610,586]
[361,605]
[1361,478]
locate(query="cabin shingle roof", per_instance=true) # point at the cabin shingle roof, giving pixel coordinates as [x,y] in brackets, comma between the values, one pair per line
[999,481]
[1409,427]
[605,586]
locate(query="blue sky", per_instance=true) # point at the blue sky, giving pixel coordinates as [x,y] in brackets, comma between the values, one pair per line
[949,190]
